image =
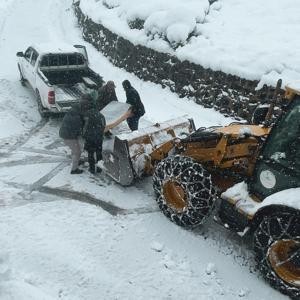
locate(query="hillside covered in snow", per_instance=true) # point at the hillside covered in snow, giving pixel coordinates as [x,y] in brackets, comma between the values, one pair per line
[85,237]
[250,39]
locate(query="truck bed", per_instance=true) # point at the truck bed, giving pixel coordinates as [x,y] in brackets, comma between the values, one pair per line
[69,85]
[66,95]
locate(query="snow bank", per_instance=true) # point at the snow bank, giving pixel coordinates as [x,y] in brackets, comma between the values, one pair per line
[246,39]
[17,127]
[173,21]
[240,195]
[288,197]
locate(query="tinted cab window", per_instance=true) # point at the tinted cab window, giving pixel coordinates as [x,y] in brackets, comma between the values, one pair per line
[278,168]
[28,53]
[284,146]
[34,57]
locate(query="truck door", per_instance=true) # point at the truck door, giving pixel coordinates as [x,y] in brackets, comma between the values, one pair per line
[26,63]
[31,69]
[278,167]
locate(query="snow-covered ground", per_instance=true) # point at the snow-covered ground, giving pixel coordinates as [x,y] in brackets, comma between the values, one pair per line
[84,236]
[252,39]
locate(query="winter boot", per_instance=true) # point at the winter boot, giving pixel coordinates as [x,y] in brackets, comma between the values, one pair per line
[95,169]
[77,171]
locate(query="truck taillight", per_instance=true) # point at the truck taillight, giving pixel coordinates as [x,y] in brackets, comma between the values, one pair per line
[51,97]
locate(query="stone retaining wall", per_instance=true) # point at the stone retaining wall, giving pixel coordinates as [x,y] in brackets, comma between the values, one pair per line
[231,95]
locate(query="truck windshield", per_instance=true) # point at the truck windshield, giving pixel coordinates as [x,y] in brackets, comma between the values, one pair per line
[60,60]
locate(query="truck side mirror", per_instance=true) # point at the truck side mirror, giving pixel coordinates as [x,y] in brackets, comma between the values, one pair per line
[20,54]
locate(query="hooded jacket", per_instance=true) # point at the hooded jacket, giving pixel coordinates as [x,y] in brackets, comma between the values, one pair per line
[72,124]
[94,127]
[133,98]
[105,96]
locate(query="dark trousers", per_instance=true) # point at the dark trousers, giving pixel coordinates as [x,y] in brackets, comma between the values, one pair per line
[76,149]
[133,122]
[94,153]
[93,157]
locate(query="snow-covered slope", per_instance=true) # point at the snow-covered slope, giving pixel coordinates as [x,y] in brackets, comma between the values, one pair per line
[251,39]
[85,237]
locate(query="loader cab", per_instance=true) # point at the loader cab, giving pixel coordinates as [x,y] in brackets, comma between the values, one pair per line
[278,166]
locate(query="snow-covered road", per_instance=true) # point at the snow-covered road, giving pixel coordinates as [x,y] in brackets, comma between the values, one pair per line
[85,237]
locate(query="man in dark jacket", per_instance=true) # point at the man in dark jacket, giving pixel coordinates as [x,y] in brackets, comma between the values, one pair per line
[137,107]
[93,131]
[106,94]
[71,131]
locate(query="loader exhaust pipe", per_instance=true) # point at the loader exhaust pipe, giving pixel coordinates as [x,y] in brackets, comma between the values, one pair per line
[273,100]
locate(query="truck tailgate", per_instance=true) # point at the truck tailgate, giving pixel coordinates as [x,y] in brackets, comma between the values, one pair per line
[66,96]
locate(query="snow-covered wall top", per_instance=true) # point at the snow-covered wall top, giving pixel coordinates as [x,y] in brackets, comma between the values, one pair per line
[250,39]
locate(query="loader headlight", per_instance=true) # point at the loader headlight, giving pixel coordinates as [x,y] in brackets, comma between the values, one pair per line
[267,179]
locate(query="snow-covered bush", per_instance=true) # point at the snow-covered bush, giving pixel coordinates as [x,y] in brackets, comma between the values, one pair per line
[175,25]
[110,4]
[171,21]
[242,38]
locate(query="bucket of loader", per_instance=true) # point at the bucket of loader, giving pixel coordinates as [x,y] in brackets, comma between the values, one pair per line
[127,156]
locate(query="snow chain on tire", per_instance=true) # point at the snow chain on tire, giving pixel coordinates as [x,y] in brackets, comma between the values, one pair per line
[277,248]
[184,190]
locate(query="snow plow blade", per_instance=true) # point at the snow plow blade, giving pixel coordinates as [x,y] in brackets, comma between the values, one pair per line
[126,157]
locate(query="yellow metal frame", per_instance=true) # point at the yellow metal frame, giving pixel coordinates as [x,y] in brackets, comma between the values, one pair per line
[226,156]
[290,93]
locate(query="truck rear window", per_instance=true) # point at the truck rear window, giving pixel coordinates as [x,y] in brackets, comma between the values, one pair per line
[59,60]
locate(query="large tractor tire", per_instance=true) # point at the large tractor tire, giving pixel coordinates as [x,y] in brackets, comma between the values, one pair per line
[184,190]
[277,249]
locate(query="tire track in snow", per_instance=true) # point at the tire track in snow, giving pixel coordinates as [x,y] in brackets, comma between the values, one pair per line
[23,140]
[32,160]
[87,198]
[83,197]
[41,181]
[17,104]
[41,151]
[141,211]
[36,185]
[64,193]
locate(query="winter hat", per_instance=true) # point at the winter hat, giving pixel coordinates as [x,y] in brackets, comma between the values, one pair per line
[126,84]
[110,84]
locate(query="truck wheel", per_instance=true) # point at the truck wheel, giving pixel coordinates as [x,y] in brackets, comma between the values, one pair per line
[22,79]
[42,110]
[184,190]
[277,249]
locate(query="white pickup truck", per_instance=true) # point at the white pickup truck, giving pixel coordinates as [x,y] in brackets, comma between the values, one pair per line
[59,74]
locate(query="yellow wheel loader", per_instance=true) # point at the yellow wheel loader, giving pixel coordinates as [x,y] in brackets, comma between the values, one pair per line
[247,175]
